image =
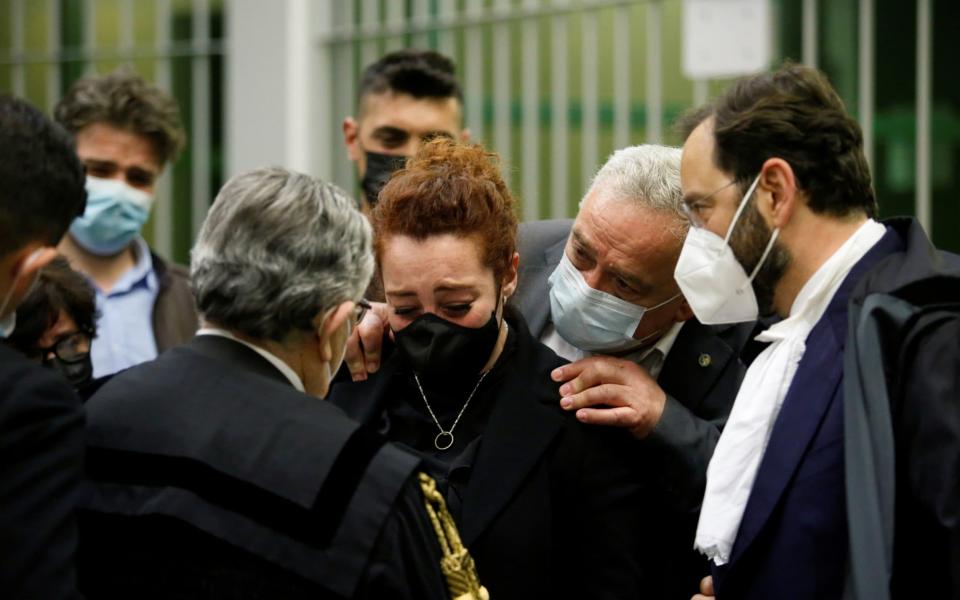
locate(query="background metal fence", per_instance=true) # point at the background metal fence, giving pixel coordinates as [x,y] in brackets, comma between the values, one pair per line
[553,86]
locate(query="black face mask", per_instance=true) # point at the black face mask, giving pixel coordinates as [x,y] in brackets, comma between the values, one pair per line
[379,169]
[78,372]
[443,351]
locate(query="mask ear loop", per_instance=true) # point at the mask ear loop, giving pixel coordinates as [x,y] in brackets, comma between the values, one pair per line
[743,204]
[766,252]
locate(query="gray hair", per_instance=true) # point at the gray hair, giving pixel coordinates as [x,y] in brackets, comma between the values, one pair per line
[276,249]
[649,174]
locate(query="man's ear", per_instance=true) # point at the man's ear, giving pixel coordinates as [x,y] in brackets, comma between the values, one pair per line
[510,277]
[779,196]
[465,135]
[351,131]
[329,326]
[22,268]
[683,312]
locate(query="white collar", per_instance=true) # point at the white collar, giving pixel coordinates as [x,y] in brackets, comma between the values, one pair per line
[664,344]
[815,295]
[271,358]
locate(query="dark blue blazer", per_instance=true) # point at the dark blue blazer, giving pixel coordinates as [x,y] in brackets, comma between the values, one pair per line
[792,542]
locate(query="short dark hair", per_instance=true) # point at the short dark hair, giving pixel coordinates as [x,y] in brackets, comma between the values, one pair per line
[41,178]
[419,73]
[792,113]
[58,287]
[123,99]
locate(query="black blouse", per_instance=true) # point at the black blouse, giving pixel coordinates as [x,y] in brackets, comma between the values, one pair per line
[406,421]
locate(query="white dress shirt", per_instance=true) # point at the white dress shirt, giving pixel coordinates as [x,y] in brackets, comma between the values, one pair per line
[651,358]
[281,366]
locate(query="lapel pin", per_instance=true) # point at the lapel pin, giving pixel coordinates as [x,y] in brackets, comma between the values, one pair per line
[704,360]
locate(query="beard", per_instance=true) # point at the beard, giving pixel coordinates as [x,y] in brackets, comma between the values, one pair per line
[749,240]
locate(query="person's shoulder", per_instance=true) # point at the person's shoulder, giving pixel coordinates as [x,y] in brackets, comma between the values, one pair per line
[532,356]
[28,386]
[544,232]
[539,235]
[169,271]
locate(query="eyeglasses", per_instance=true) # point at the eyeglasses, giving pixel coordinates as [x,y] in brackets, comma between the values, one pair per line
[359,311]
[69,347]
[697,210]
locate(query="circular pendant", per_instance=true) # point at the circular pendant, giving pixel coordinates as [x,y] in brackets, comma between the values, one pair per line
[443,440]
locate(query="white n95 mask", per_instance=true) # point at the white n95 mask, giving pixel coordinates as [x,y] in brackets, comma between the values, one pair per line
[590,319]
[713,281]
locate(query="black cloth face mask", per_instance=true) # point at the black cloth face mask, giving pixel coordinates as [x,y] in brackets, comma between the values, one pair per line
[379,169]
[443,351]
[78,372]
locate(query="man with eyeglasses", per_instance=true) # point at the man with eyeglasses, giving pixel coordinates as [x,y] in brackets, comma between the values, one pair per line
[126,132]
[838,472]
[218,471]
[56,323]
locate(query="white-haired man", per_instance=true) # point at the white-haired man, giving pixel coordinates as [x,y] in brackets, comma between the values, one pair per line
[214,470]
[642,362]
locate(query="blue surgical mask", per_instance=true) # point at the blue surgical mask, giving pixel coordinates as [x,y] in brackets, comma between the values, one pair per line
[114,215]
[590,319]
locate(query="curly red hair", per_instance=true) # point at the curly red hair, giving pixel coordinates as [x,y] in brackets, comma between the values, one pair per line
[450,187]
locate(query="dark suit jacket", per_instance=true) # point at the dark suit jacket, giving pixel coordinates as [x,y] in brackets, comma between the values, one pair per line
[792,541]
[548,511]
[174,315]
[700,375]
[41,455]
[209,475]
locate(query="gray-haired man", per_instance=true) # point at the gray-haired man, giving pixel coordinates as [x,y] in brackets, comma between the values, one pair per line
[600,291]
[214,469]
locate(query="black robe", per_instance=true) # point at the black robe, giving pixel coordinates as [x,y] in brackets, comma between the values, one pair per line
[210,476]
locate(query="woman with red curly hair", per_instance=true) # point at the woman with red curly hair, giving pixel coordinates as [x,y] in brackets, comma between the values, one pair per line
[543,504]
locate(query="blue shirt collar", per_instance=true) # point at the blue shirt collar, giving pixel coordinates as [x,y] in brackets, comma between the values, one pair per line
[142,273]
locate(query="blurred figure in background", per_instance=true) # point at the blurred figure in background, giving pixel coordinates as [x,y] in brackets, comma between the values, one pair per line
[57,321]
[126,132]
[41,419]
[405,98]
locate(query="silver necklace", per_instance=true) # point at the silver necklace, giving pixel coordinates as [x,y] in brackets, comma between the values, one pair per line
[447,436]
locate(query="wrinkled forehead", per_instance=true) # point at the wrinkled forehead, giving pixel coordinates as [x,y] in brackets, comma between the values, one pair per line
[636,237]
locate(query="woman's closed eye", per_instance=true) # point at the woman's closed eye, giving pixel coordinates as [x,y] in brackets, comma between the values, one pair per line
[458,309]
[405,311]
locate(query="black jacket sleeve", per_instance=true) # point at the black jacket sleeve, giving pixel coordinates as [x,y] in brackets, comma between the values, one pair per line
[927,441]
[41,453]
[405,563]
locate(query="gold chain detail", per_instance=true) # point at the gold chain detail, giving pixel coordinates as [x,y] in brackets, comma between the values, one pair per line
[457,564]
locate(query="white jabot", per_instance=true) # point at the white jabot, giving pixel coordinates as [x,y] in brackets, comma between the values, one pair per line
[651,358]
[737,457]
[281,366]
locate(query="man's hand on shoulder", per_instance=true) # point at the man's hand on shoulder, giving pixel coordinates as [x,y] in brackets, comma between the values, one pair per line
[610,391]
